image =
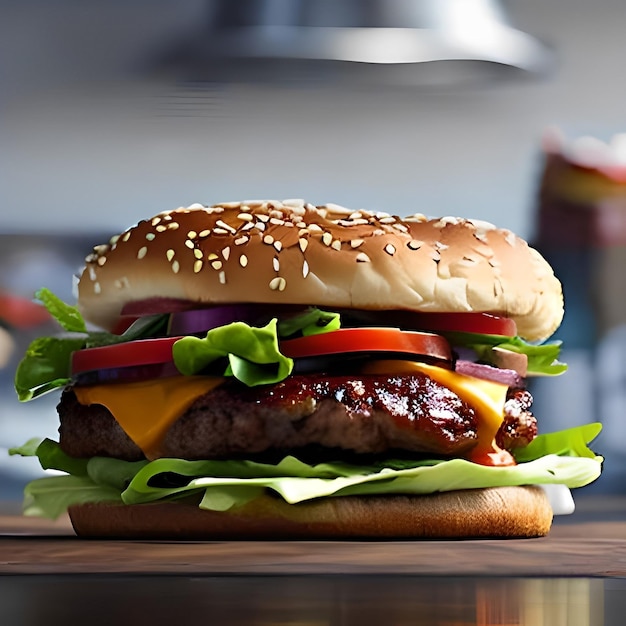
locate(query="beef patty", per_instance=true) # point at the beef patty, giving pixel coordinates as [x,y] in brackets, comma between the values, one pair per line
[368,414]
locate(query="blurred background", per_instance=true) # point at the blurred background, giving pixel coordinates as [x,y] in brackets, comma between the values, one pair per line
[510,112]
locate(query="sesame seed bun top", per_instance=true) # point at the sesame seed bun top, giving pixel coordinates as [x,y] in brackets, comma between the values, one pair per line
[292,252]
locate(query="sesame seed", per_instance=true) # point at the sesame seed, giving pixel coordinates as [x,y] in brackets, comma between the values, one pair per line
[126,236]
[268,239]
[212,256]
[192,234]
[160,228]
[114,240]
[390,249]
[92,274]
[220,231]
[241,240]
[142,252]
[315,227]
[276,264]
[226,253]
[258,225]
[294,203]
[327,239]
[204,233]
[173,225]
[414,245]
[245,217]
[216,265]
[243,260]
[305,269]
[175,267]
[222,278]
[190,244]
[155,221]
[248,226]
[226,226]
[361,257]
[278,246]
[170,254]
[197,266]
[102,260]
[355,243]
[387,220]
[378,232]
[97,288]
[336,245]
[303,243]
[263,218]
[197,253]
[277,221]
[481,235]
[150,236]
[401,227]
[278,284]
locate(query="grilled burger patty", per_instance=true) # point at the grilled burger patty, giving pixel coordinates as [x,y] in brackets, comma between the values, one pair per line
[368,414]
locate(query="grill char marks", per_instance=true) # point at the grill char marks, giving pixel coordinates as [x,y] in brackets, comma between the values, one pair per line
[366,415]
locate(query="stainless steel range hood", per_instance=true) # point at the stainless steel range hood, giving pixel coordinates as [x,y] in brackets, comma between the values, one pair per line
[380,42]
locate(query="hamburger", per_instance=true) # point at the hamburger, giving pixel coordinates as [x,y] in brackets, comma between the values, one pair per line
[283,370]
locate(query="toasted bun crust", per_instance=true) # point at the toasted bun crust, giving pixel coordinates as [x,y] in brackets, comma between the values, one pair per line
[295,253]
[504,512]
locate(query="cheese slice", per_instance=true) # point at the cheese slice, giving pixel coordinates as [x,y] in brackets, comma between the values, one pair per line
[486,397]
[146,409]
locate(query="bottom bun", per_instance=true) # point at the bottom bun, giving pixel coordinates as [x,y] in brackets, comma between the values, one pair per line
[502,512]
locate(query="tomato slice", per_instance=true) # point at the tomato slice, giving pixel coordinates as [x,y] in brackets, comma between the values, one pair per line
[129,354]
[483,323]
[353,340]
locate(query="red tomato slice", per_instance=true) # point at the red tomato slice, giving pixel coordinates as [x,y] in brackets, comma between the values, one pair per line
[131,353]
[351,340]
[483,323]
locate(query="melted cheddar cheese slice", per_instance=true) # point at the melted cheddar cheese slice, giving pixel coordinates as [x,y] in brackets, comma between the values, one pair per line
[145,410]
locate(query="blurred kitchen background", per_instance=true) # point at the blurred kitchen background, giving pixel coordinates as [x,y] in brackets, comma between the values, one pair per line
[509,111]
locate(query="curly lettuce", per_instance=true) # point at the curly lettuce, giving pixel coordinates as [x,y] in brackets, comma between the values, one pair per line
[558,458]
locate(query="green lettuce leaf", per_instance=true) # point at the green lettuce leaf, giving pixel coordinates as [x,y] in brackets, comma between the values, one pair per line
[51,496]
[570,442]
[542,358]
[252,353]
[45,366]
[313,321]
[68,317]
[221,485]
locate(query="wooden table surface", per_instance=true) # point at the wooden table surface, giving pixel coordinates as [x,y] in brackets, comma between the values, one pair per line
[591,543]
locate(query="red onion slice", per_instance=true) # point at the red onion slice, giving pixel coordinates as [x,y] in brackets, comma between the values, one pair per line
[488,372]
